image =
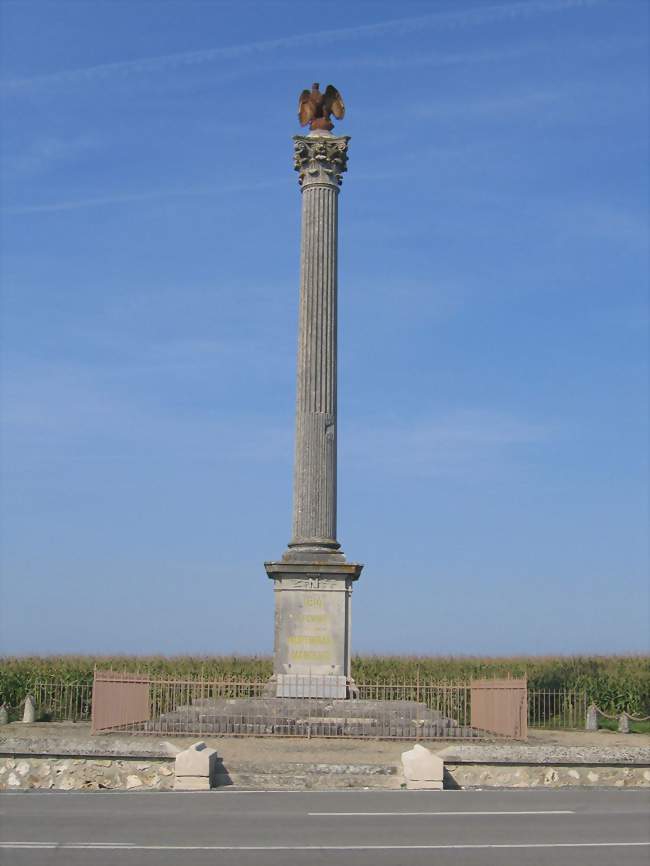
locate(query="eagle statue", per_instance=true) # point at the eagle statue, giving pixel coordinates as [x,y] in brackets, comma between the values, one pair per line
[315,108]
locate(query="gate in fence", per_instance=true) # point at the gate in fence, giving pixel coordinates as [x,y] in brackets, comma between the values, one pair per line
[120,701]
[500,707]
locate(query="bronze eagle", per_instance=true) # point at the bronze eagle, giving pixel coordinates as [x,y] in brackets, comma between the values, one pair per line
[315,108]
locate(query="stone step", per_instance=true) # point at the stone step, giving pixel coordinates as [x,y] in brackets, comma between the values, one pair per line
[308,776]
[212,725]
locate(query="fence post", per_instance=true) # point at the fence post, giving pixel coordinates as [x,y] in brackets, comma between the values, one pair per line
[624,723]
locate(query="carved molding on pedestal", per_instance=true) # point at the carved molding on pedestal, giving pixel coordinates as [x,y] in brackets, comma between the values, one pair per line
[320,159]
[322,584]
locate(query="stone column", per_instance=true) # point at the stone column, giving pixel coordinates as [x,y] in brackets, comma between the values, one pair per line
[313,581]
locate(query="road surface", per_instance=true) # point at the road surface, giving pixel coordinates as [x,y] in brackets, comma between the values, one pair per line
[561,827]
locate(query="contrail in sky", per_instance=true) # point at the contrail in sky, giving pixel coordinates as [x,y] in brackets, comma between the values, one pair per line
[457,18]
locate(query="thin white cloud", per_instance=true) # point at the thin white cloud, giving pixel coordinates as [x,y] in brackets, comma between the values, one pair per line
[495,106]
[130,198]
[458,18]
[464,443]
[46,152]
[69,412]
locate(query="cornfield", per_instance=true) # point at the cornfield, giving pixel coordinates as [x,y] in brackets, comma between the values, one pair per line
[614,683]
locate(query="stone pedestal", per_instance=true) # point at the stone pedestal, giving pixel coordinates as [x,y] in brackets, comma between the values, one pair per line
[312,628]
[313,580]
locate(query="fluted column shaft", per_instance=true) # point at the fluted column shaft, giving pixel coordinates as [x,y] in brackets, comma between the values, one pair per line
[314,488]
[320,161]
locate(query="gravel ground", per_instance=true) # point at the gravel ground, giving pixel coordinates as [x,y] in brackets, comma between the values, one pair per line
[601,745]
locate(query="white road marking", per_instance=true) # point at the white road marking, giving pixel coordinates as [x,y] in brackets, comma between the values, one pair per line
[69,846]
[386,814]
[101,792]
[111,845]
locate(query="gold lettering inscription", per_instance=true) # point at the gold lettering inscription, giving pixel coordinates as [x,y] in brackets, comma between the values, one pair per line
[313,602]
[321,639]
[309,656]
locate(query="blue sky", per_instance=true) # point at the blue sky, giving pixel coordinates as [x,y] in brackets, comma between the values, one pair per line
[493,321]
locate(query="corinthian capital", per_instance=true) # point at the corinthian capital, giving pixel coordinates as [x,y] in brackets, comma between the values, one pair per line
[320,159]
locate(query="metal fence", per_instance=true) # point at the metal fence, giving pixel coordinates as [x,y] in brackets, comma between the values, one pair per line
[203,707]
[63,702]
[172,703]
[557,709]
[143,704]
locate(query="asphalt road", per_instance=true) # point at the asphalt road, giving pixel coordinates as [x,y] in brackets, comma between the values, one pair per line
[356,828]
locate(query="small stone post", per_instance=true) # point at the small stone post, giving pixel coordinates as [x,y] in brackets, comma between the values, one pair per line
[4,715]
[194,768]
[624,723]
[313,581]
[423,771]
[29,713]
[591,721]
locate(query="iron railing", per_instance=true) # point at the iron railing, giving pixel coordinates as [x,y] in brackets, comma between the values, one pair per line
[201,707]
[547,708]
[557,708]
[303,707]
[63,702]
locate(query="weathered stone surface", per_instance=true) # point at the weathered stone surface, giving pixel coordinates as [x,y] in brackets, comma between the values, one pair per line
[312,623]
[315,717]
[195,768]
[36,772]
[63,775]
[308,776]
[74,746]
[422,769]
[4,715]
[543,776]
[320,158]
[29,712]
[314,490]
[53,749]
[532,753]
[192,783]
[591,721]
[197,760]
[297,686]
[313,582]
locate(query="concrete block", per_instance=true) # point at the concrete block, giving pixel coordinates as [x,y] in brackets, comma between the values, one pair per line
[422,769]
[195,768]
[192,783]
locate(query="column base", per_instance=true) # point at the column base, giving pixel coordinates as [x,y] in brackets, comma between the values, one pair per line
[312,625]
[313,551]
